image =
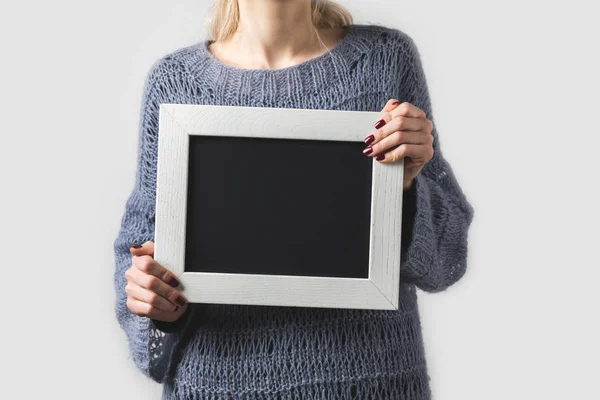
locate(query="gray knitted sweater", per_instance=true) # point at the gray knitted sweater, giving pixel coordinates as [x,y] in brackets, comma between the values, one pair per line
[219,351]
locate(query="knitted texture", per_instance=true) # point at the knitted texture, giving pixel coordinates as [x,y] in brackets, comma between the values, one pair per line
[267,352]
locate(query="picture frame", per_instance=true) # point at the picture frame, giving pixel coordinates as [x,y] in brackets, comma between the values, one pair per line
[178,123]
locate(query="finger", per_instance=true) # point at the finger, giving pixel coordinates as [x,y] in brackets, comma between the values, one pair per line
[391,104]
[395,108]
[144,248]
[155,284]
[154,299]
[144,309]
[398,123]
[418,153]
[407,109]
[385,115]
[148,265]
[393,140]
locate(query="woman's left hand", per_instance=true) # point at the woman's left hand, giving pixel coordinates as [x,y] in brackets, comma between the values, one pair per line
[402,131]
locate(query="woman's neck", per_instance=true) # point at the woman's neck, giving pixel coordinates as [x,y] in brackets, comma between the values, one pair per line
[274,34]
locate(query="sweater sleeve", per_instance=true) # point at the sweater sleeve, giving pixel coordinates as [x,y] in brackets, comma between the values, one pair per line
[435,250]
[150,347]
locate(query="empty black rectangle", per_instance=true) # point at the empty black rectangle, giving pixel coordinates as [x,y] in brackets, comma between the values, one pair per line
[278,206]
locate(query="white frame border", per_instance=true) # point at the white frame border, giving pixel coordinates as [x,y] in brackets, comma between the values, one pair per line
[178,121]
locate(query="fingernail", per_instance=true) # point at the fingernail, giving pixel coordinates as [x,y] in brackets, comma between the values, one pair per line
[176,308]
[379,124]
[396,102]
[369,139]
[137,246]
[380,157]
[180,300]
[173,282]
[368,150]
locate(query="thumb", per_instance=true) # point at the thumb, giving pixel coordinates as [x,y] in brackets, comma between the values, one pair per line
[146,248]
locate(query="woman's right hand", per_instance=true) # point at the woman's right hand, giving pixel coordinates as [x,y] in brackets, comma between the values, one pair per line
[151,288]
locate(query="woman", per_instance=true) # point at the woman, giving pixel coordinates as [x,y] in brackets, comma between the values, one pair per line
[294,54]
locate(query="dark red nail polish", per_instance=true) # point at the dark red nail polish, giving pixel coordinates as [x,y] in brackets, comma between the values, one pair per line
[396,102]
[180,300]
[173,282]
[137,246]
[369,139]
[380,157]
[379,124]
[368,150]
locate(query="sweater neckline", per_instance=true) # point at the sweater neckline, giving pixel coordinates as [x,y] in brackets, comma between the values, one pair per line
[337,52]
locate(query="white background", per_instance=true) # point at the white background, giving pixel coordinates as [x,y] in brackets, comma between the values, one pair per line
[515,88]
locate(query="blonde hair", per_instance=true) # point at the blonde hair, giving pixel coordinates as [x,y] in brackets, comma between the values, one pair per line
[226,14]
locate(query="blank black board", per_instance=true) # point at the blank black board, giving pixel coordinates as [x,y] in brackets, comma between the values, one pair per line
[278,206]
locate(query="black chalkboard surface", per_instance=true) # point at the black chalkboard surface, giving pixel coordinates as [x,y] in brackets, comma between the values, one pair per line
[278,206]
